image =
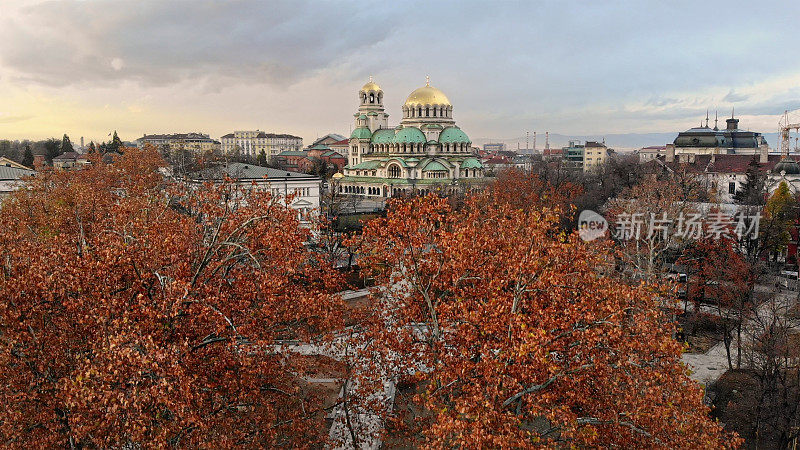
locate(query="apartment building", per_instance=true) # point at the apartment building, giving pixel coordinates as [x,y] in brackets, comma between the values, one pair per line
[251,143]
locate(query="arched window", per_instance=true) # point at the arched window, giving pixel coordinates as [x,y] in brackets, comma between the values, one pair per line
[419,111]
[427,112]
[434,111]
[372,98]
[394,171]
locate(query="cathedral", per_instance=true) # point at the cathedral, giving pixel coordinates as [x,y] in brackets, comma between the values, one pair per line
[426,153]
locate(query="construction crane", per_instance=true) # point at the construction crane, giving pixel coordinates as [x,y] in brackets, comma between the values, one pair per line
[786,127]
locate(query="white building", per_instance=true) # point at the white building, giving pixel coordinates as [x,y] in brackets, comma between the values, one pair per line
[280,183]
[11,177]
[252,143]
[650,153]
[195,142]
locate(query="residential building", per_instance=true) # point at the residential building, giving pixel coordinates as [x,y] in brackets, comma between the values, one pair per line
[195,142]
[494,147]
[12,177]
[551,154]
[70,160]
[252,143]
[328,155]
[328,139]
[306,188]
[304,160]
[427,152]
[341,147]
[646,154]
[11,163]
[595,155]
[572,155]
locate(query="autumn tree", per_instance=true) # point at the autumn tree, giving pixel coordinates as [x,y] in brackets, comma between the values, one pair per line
[779,215]
[519,335]
[720,276]
[654,219]
[137,314]
[771,356]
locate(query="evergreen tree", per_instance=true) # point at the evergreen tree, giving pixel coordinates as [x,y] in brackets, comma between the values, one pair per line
[753,190]
[115,144]
[92,148]
[262,158]
[66,144]
[27,157]
[52,148]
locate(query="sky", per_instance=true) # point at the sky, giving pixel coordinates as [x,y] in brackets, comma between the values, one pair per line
[89,67]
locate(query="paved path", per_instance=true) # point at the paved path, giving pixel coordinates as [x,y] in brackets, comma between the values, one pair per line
[708,367]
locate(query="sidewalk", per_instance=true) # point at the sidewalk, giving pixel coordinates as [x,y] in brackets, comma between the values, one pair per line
[708,367]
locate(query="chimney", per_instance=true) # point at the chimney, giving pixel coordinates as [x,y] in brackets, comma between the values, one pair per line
[38,162]
[670,153]
[733,124]
[763,150]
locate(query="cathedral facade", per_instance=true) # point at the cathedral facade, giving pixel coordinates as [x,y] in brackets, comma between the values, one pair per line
[426,153]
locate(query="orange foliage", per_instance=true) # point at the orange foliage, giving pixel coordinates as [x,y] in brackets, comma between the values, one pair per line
[523,335]
[522,189]
[138,314]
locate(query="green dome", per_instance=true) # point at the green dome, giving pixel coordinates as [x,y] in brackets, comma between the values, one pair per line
[434,166]
[453,134]
[410,135]
[471,163]
[787,165]
[383,136]
[361,133]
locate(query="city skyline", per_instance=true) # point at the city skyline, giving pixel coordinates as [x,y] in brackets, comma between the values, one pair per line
[87,68]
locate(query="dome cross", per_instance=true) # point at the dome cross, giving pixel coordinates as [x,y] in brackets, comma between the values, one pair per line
[427,80]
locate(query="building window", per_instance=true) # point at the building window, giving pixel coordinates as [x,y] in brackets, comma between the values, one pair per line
[732,187]
[394,171]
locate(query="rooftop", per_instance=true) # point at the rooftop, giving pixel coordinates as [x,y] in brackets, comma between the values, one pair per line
[14,173]
[241,171]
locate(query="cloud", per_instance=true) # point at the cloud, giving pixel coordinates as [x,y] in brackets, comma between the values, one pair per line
[734,97]
[157,43]
[117,64]
[13,119]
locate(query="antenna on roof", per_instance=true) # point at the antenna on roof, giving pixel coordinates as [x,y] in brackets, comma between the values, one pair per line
[715,121]
[706,117]
[733,108]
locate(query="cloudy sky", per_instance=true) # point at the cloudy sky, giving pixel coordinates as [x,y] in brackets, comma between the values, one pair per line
[88,67]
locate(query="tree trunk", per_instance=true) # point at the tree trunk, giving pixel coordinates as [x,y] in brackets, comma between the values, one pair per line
[739,342]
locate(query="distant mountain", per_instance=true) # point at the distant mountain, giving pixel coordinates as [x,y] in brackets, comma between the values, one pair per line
[627,141]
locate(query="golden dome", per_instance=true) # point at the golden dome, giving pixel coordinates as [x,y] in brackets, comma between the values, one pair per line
[427,95]
[371,86]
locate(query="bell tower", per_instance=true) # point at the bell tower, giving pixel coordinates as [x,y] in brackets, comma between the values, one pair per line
[371,107]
